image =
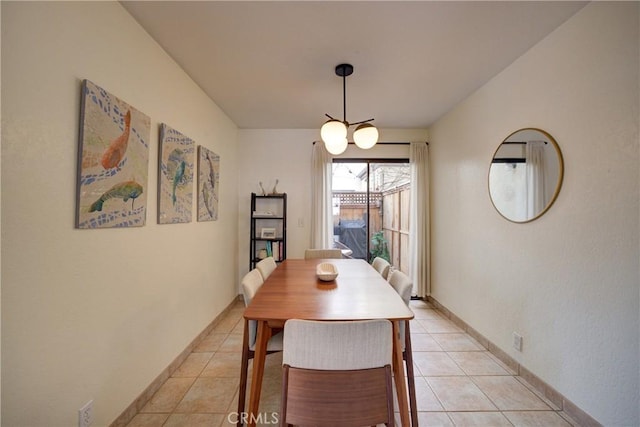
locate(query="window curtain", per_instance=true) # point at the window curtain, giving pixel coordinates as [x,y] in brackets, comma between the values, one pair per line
[321,213]
[419,262]
[535,172]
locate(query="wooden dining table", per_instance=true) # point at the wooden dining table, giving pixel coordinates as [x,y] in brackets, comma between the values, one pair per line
[293,291]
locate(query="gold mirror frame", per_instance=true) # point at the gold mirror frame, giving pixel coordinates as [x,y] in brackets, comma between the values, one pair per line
[545,136]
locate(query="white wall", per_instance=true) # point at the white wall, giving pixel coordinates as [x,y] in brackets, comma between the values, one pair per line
[285,154]
[569,281]
[97,314]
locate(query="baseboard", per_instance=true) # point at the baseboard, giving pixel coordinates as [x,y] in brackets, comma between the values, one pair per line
[569,408]
[127,415]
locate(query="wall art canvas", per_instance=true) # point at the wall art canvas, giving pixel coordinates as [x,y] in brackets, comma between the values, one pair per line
[113,161]
[175,176]
[208,178]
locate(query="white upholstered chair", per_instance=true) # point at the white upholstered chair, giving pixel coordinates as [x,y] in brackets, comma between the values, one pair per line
[403,285]
[322,253]
[337,373]
[266,267]
[251,282]
[382,266]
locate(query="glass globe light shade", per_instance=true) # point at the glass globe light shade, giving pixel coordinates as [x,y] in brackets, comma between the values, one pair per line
[365,136]
[336,147]
[333,132]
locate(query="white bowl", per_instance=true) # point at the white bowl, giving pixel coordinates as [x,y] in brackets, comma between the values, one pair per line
[326,271]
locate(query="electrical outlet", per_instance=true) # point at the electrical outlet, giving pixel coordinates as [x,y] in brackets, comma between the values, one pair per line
[85,414]
[517,341]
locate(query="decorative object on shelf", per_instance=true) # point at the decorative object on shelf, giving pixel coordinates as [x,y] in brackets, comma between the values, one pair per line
[208,180]
[264,193]
[262,253]
[263,214]
[113,161]
[175,176]
[274,192]
[268,233]
[326,271]
[334,132]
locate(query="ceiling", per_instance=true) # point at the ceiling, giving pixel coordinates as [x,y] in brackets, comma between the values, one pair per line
[270,64]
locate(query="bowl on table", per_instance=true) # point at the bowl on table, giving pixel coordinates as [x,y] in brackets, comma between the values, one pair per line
[326,271]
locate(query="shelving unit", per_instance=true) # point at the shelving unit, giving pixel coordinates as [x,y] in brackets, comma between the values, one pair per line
[268,228]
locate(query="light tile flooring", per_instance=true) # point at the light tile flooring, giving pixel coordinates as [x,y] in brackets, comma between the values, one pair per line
[458,383]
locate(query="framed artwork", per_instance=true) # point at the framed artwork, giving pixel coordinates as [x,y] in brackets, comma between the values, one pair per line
[113,161]
[268,233]
[175,176]
[208,177]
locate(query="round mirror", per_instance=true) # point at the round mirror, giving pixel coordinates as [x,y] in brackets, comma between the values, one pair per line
[525,175]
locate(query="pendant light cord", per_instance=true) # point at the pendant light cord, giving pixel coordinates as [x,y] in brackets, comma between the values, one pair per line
[344,99]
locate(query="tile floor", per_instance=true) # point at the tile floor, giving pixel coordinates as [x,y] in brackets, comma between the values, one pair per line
[458,383]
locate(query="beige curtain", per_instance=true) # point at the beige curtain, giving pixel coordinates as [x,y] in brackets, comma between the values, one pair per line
[321,213]
[419,262]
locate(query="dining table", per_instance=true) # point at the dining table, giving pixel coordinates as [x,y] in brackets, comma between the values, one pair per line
[293,291]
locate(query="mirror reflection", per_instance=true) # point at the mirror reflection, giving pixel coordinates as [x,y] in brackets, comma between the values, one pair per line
[525,175]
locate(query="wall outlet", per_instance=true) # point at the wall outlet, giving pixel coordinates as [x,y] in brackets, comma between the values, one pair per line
[517,341]
[85,414]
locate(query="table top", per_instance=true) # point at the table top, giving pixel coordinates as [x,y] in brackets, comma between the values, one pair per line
[293,291]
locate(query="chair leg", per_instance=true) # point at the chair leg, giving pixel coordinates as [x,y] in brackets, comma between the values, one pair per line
[244,368]
[390,413]
[284,394]
[408,357]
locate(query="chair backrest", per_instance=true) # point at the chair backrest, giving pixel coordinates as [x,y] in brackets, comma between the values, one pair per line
[251,282]
[337,373]
[337,345]
[402,284]
[382,266]
[266,267]
[322,253]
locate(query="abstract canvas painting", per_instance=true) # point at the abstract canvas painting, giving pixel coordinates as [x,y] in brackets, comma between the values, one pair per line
[208,177]
[113,161]
[175,176]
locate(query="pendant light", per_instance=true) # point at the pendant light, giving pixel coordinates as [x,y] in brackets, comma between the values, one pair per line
[334,132]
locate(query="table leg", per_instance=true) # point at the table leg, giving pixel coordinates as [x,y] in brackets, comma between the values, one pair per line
[242,392]
[262,338]
[398,376]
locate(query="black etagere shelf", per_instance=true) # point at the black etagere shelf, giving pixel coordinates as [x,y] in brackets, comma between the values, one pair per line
[268,235]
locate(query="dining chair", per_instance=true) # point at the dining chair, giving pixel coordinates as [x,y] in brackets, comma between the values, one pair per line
[266,267]
[403,285]
[322,253]
[382,266]
[337,373]
[251,282]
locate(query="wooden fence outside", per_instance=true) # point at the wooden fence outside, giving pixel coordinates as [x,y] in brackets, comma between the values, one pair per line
[389,212]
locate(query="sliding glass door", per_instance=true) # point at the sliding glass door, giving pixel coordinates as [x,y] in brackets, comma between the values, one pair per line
[370,200]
